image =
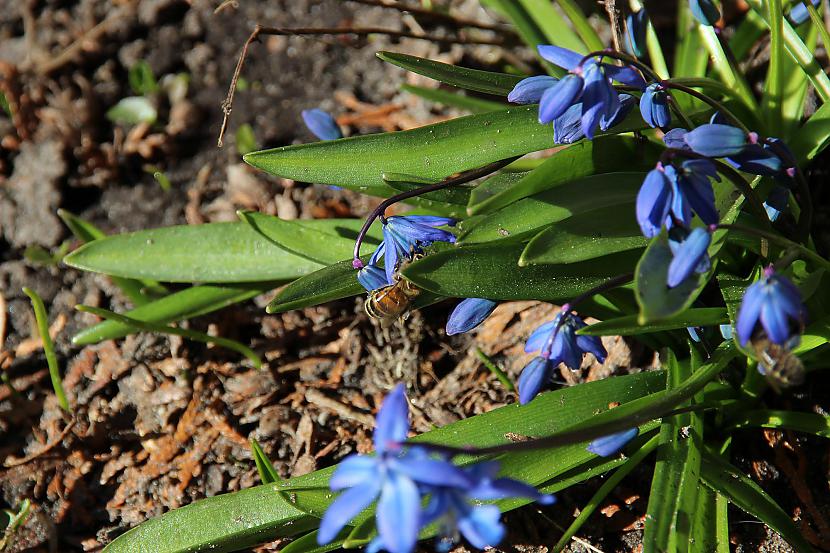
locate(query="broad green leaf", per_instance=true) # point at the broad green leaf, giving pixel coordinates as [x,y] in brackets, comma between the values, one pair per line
[323,241]
[267,473]
[430,152]
[530,215]
[185,304]
[458,195]
[710,527]
[816,334]
[589,157]
[607,487]
[813,136]
[673,495]
[491,187]
[87,232]
[809,423]
[492,271]
[498,84]
[658,301]
[554,27]
[330,283]
[586,236]
[42,321]
[748,496]
[132,110]
[628,324]
[239,520]
[308,544]
[453,99]
[215,252]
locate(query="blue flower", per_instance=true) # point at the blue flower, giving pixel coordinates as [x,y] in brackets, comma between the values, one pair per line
[392,477]
[717,140]
[654,106]
[773,301]
[799,14]
[557,342]
[705,11]
[372,277]
[654,201]
[460,510]
[321,124]
[636,25]
[408,234]
[613,443]
[468,314]
[694,185]
[689,254]
[567,128]
[558,98]
[531,89]
[675,139]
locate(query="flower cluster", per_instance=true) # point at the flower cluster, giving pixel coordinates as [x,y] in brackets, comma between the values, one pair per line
[400,476]
[556,342]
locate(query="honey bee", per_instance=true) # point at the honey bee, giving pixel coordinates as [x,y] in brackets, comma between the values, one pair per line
[392,302]
[782,368]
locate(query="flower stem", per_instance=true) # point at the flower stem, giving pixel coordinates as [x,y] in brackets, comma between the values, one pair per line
[453,180]
[781,241]
[668,83]
[631,60]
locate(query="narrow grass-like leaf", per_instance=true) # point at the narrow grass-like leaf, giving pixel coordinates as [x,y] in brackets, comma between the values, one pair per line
[607,487]
[710,528]
[590,157]
[813,136]
[498,84]
[495,370]
[432,152]
[730,75]
[267,473]
[553,25]
[581,25]
[628,324]
[528,216]
[87,232]
[796,86]
[184,304]
[748,496]
[532,35]
[658,301]
[308,544]
[809,423]
[492,272]
[242,519]
[585,236]
[746,35]
[42,321]
[215,252]
[690,59]
[774,84]
[184,333]
[800,53]
[453,99]
[673,494]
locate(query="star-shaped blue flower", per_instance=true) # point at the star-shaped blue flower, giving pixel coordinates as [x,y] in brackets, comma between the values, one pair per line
[406,235]
[775,303]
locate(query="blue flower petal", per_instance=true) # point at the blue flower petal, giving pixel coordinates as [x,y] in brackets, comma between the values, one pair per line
[538,337]
[626,102]
[688,256]
[654,106]
[567,128]
[530,90]
[399,513]
[653,202]
[613,443]
[799,14]
[774,320]
[716,140]
[426,470]
[534,377]
[482,526]
[372,277]
[749,312]
[559,97]
[343,509]
[392,423]
[675,139]
[624,74]
[561,57]
[321,124]
[468,314]
[504,488]
[636,25]
[592,344]
[353,471]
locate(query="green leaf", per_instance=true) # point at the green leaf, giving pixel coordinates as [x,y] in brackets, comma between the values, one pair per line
[809,423]
[554,27]
[729,74]
[430,152]
[773,97]
[87,232]
[242,519]
[581,25]
[404,183]
[308,544]
[796,86]
[330,283]
[183,332]
[586,236]
[499,84]
[323,241]
[492,271]
[813,136]
[215,252]
[740,490]
[527,28]
[245,139]
[658,301]
[530,215]
[453,99]
[267,473]
[607,487]
[133,110]
[710,527]
[673,495]
[628,325]
[184,304]
[42,321]
[605,154]
[141,78]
